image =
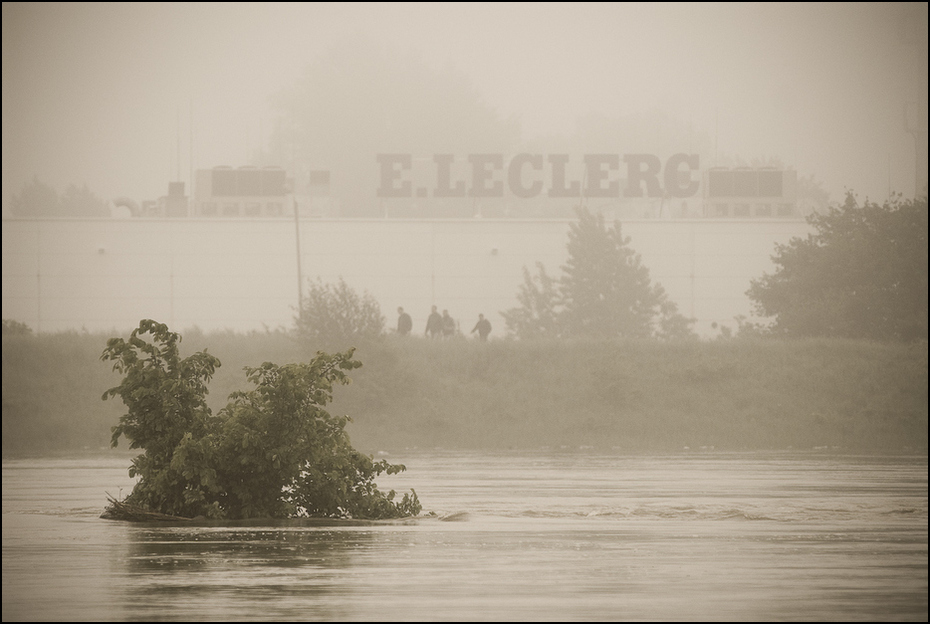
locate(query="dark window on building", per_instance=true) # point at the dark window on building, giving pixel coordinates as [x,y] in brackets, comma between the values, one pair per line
[253,209]
[785,210]
[249,182]
[224,182]
[231,210]
[745,183]
[770,183]
[740,210]
[721,210]
[275,209]
[763,210]
[208,208]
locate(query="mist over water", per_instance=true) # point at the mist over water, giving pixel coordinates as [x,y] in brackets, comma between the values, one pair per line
[536,535]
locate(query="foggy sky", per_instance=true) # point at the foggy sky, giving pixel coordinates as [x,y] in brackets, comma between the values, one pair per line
[96,93]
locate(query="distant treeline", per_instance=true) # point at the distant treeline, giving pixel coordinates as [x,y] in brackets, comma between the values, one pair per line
[632,395]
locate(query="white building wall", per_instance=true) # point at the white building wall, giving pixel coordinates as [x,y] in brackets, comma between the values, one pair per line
[241,274]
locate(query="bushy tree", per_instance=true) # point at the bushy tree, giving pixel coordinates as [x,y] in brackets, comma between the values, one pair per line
[82,202]
[605,288]
[36,199]
[862,274]
[335,315]
[537,316]
[605,292]
[273,451]
[15,328]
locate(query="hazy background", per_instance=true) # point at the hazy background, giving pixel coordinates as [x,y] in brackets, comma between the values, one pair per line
[124,97]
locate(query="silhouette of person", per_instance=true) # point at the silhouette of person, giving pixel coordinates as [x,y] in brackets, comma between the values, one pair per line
[404,322]
[433,324]
[483,327]
[448,325]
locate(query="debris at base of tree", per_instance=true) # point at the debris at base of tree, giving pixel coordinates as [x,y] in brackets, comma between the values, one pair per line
[118,510]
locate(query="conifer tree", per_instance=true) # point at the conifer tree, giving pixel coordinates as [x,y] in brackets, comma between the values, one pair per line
[605,292]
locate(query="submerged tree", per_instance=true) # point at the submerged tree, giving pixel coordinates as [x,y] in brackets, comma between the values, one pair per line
[862,274]
[273,451]
[605,292]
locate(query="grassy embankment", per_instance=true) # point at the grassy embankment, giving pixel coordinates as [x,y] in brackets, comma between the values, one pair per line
[631,396]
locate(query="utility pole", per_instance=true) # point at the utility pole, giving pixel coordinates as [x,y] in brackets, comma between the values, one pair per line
[915,126]
[300,292]
[293,190]
[190,187]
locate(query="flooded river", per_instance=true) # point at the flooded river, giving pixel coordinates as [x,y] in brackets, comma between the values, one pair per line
[547,535]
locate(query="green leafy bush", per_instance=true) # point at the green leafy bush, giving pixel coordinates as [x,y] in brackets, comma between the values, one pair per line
[273,451]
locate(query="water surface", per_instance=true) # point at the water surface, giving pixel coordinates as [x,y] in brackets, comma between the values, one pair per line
[548,535]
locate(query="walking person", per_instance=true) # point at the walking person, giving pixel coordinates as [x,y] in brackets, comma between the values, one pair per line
[483,327]
[448,325]
[433,324]
[404,322]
